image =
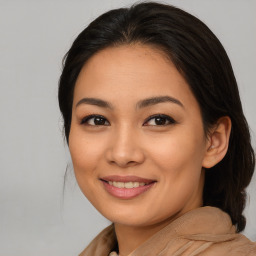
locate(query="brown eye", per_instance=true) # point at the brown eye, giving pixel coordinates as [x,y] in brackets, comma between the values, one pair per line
[160,120]
[95,120]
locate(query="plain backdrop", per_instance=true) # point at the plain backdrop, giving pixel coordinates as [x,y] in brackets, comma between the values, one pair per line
[38,216]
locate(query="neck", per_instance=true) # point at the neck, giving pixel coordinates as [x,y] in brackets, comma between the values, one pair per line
[131,237]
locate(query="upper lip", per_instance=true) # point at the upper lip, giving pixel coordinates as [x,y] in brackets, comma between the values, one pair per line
[126,179]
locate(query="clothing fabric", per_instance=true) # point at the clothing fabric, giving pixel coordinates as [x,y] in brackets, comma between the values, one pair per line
[205,231]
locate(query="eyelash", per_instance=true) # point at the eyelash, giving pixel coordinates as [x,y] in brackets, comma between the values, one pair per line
[169,119]
[87,118]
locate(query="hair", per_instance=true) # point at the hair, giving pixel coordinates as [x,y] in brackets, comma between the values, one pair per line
[202,61]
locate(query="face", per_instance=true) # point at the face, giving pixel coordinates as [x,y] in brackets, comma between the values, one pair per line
[137,141]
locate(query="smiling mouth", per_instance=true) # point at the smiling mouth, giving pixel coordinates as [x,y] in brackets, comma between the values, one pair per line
[130,184]
[126,187]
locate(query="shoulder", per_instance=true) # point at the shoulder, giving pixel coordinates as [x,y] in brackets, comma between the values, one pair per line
[240,245]
[102,244]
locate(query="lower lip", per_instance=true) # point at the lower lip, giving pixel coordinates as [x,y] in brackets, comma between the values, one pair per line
[126,193]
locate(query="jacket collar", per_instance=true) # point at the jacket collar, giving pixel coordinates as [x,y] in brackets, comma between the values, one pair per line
[205,224]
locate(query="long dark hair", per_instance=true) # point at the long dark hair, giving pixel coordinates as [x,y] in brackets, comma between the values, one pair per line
[201,59]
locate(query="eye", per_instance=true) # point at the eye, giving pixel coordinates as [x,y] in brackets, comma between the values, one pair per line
[159,120]
[95,120]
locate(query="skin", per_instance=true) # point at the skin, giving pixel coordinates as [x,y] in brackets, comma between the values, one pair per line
[172,154]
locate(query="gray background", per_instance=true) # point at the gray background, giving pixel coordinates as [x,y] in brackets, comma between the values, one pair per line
[36,218]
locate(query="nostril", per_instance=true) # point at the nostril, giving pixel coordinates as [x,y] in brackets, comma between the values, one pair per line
[124,156]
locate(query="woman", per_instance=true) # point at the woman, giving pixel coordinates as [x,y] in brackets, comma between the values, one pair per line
[157,135]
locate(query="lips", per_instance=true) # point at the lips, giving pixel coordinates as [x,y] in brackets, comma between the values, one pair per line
[126,187]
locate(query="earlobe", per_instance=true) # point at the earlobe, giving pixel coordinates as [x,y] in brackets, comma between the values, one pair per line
[218,142]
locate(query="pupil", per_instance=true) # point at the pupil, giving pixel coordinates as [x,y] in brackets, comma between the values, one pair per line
[160,120]
[99,121]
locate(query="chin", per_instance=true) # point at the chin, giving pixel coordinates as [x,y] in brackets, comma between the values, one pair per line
[128,218]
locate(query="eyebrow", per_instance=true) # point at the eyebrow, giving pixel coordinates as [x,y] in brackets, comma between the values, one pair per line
[141,104]
[155,100]
[96,102]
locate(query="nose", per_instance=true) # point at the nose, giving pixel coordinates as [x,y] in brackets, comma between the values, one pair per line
[124,149]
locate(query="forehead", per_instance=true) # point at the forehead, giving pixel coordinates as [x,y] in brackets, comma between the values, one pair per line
[130,72]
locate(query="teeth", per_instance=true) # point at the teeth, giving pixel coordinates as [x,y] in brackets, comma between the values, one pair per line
[118,184]
[136,184]
[126,184]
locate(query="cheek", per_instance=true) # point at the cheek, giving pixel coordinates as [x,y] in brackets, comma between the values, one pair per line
[179,151]
[180,162]
[84,158]
[85,154]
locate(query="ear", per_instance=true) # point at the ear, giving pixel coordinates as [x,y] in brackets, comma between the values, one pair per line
[218,141]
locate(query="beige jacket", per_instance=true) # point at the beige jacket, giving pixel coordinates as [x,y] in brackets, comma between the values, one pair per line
[206,231]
